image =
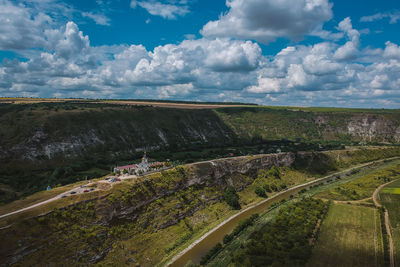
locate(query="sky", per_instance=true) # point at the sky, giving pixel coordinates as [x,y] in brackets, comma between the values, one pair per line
[288,52]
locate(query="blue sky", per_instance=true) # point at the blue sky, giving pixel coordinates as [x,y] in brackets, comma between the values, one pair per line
[289,52]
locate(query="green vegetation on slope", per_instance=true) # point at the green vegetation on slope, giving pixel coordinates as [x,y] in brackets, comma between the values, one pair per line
[363,184]
[154,217]
[389,197]
[315,124]
[284,241]
[60,143]
[231,197]
[347,237]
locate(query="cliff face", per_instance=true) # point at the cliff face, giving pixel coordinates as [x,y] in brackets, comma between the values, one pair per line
[237,172]
[201,172]
[343,126]
[44,134]
[37,133]
[369,128]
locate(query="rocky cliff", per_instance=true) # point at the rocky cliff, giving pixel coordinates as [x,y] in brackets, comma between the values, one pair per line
[44,133]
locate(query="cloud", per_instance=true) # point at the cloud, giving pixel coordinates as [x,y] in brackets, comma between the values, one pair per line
[167,11]
[202,62]
[392,51]
[175,90]
[266,20]
[333,72]
[190,36]
[19,29]
[69,42]
[349,50]
[100,19]
[311,75]
[393,16]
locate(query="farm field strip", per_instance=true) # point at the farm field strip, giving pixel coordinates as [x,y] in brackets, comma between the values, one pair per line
[347,237]
[390,199]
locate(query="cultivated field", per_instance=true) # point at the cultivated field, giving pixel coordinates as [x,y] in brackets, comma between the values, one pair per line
[390,198]
[347,238]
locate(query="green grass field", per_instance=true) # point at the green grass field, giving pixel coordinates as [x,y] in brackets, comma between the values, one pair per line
[346,238]
[390,198]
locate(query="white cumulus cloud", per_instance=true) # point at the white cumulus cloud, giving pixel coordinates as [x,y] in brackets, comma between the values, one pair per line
[266,20]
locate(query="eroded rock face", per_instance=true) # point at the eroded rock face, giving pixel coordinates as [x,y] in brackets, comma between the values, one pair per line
[45,135]
[215,172]
[370,128]
[216,169]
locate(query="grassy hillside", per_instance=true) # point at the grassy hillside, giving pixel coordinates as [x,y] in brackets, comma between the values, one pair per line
[64,142]
[314,124]
[148,220]
[60,143]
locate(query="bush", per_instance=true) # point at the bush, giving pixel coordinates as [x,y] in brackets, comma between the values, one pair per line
[228,238]
[260,191]
[231,197]
[267,188]
[274,188]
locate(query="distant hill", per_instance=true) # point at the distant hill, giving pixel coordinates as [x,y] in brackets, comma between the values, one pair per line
[61,142]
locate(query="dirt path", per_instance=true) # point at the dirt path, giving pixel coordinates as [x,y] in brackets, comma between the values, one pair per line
[387,222]
[349,201]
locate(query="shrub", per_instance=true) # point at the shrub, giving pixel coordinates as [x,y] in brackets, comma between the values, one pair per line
[267,188]
[231,197]
[227,238]
[260,191]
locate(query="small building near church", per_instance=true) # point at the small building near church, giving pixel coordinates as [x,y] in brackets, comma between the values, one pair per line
[141,168]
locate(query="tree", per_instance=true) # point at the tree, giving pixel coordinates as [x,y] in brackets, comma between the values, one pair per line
[267,188]
[231,197]
[260,191]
